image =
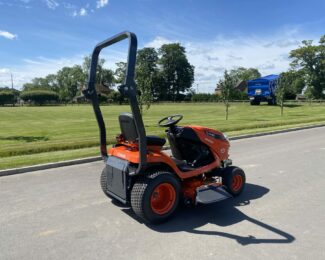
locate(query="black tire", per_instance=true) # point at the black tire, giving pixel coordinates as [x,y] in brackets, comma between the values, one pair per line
[103,183]
[143,190]
[234,179]
[255,103]
[272,102]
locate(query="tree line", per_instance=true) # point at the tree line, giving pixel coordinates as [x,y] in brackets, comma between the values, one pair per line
[165,74]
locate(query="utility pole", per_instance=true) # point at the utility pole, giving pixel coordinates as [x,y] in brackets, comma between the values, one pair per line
[12,81]
[197,88]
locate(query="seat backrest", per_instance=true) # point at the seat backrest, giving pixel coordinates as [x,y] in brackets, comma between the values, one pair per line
[128,128]
[173,146]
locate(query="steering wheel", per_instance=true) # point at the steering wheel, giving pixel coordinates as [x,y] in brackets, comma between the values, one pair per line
[170,120]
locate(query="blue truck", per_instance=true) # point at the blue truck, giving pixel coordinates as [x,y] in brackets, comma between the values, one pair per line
[262,89]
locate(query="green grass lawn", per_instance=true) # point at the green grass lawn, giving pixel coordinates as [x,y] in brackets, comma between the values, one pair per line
[30,135]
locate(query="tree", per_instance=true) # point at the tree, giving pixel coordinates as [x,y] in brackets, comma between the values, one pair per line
[284,84]
[104,77]
[244,74]
[309,94]
[177,74]
[70,80]
[146,75]
[47,83]
[311,59]
[226,86]
[119,72]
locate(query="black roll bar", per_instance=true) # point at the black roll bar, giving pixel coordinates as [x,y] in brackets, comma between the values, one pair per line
[128,88]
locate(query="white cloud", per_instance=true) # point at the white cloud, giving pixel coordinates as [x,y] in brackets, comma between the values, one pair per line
[52,4]
[211,58]
[8,35]
[31,68]
[42,66]
[83,12]
[158,41]
[101,3]
[4,71]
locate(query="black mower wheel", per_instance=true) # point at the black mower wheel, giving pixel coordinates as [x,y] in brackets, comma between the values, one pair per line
[103,183]
[234,179]
[155,197]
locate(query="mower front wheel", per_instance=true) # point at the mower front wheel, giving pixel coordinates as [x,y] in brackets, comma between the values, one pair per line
[234,179]
[155,197]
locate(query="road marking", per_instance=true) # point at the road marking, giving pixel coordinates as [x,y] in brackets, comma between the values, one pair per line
[48,232]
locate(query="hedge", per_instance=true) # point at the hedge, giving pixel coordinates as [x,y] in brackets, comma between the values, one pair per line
[40,97]
[7,97]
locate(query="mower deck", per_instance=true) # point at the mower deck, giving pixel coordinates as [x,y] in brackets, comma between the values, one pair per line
[209,194]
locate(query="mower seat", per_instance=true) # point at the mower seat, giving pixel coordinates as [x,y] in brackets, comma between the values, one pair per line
[155,140]
[130,134]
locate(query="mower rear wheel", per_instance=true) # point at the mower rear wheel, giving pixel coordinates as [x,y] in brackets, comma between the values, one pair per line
[155,197]
[234,179]
[103,183]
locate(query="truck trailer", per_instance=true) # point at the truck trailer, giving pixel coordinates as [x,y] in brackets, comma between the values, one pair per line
[262,89]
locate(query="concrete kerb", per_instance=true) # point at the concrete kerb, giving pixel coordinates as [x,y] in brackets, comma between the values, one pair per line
[98,158]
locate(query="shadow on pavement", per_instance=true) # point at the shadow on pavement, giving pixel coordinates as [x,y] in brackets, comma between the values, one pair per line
[222,214]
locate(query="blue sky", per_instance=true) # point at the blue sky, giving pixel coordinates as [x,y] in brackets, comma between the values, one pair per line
[38,37]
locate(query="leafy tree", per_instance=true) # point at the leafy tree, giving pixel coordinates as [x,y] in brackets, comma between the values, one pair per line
[226,86]
[70,79]
[102,75]
[177,74]
[284,84]
[116,97]
[311,59]
[244,74]
[120,72]
[309,94]
[298,83]
[49,83]
[146,75]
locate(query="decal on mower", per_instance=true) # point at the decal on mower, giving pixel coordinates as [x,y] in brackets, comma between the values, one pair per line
[214,135]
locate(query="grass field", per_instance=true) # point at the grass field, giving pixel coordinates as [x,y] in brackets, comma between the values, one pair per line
[30,135]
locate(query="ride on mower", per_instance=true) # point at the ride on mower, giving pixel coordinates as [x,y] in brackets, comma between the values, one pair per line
[138,172]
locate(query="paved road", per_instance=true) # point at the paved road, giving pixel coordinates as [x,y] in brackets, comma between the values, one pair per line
[62,213]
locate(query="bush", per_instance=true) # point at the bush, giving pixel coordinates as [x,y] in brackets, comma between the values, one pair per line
[205,97]
[40,97]
[7,97]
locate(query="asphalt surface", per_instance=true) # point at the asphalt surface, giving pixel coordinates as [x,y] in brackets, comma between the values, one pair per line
[62,213]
